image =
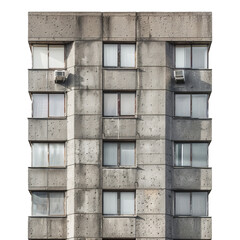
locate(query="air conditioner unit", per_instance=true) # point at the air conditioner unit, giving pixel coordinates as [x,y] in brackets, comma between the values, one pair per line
[179,76]
[60,75]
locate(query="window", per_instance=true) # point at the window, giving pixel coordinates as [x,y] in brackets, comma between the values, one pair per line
[48,203]
[48,105]
[191,105]
[119,104]
[191,203]
[47,154]
[119,55]
[118,153]
[191,56]
[191,154]
[48,56]
[118,203]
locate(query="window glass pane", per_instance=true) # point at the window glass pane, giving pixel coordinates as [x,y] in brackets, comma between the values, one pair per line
[199,105]
[56,105]
[199,56]
[56,57]
[40,105]
[39,155]
[56,203]
[182,105]
[183,56]
[110,55]
[56,154]
[110,154]
[127,55]
[127,202]
[199,154]
[40,57]
[182,154]
[109,203]
[182,204]
[110,104]
[127,154]
[39,204]
[127,104]
[199,204]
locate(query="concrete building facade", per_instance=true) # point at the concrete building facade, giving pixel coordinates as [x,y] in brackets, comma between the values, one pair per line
[120,147]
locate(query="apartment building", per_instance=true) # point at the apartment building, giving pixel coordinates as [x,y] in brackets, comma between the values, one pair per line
[120,130]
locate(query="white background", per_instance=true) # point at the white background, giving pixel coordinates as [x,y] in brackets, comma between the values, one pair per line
[16,105]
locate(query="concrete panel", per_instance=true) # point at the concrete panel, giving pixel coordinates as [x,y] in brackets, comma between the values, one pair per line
[118,227]
[119,128]
[47,179]
[169,26]
[88,53]
[192,130]
[192,178]
[192,228]
[119,79]
[119,178]
[114,26]
[151,54]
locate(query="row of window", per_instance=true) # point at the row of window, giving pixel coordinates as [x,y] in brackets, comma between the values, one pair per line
[117,154]
[120,104]
[120,203]
[120,55]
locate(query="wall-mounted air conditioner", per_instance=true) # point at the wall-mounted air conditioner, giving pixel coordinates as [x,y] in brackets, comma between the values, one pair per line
[59,75]
[179,76]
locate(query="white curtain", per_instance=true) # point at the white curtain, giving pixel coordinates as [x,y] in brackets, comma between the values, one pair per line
[56,57]
[110,104]
[199,154]
[56,203]
[182,105]
[110,203]
[127,55]
[127,202]
[40,57]
[182,154]
[39,204]
[39,155]
[183,56]
[182,203]
[56,105]
[56,154]
[200,57]
[199,203]
[199,105]
[127,154]
[128,104]
[110,154]
[110,55]
[40,105]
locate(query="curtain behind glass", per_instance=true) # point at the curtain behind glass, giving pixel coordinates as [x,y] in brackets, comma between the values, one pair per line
[110,203]
[183,56]
[182,154]
[56,57]
[110,154]
[127,104]
[199,57]
[110,55]
[199,204]
[199,154]
[182,203]
[127,154]
[40,204]
[110,104]
[127,202]
[127,55]
[56,203]
[39,155]
[199,105]
[182,105]
[56,105]
[56,154]
[40,57]
[40,105]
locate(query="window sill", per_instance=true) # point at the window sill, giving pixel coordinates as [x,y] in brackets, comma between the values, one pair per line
[190,118]
[46,69]
[64,167]
[119,216]
[195,69]
[120,167]
[120,68]
[50,118]
[62,216]
[180,216]
[120,117]
[189,167]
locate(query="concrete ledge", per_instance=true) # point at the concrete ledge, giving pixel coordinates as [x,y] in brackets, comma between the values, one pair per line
[47,228]
[192,179]
[192,228]
[47,179]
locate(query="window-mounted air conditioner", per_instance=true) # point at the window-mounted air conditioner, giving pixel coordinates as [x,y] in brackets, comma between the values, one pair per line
[179,76]
[60,75]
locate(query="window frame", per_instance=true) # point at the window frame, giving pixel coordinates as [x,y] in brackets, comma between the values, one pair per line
[119,55]
[191,55]
[118,93]
[119,155]
[48,46]
[191,110]
[119,203]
